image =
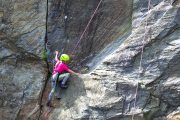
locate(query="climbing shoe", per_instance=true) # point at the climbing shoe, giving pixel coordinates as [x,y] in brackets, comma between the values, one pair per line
[58,98]
[49,104]
[63,86]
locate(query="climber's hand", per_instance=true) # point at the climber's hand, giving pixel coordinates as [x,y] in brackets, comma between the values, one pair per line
[56,52]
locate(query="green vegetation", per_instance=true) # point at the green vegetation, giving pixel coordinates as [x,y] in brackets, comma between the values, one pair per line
[44,55]
[49,74]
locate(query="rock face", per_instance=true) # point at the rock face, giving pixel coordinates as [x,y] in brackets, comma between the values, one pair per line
[130,83]
[22,71]
[132,49]
[68,19]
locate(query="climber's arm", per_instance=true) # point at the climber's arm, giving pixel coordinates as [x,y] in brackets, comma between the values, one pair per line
[56,56]
[72,72]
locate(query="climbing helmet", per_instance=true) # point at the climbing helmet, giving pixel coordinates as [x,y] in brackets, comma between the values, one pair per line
[64,57]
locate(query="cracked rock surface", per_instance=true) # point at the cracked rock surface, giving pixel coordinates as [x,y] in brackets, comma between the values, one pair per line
[110,88]
[132,54]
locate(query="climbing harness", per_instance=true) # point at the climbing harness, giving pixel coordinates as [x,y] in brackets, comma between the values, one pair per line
[92,16]
[140,64]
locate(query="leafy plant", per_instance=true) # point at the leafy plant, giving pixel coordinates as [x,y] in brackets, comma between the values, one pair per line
[44,55]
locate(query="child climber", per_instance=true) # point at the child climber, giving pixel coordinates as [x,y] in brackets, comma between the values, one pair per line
[60,75]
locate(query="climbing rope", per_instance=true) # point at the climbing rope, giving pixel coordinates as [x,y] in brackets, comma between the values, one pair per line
[49,109]
[92,16]
[110,24]
[140,64]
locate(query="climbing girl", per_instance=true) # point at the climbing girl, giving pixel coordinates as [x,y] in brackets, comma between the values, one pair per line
[60,75]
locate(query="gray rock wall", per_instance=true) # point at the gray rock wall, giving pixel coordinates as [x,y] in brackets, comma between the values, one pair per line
[22,71]
[106,26]
[110,89]
[115,38]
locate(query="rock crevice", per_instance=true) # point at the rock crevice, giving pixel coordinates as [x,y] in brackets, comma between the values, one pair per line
[111,51]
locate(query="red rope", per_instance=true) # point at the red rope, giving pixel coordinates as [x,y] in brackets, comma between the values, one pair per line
[92,16]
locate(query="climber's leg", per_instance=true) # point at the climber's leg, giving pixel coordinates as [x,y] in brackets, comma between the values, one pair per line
[63,78]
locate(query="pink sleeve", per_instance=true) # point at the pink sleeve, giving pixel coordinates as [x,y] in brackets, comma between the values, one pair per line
[65,67]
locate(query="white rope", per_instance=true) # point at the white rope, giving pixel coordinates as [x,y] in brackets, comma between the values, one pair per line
[140,64]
